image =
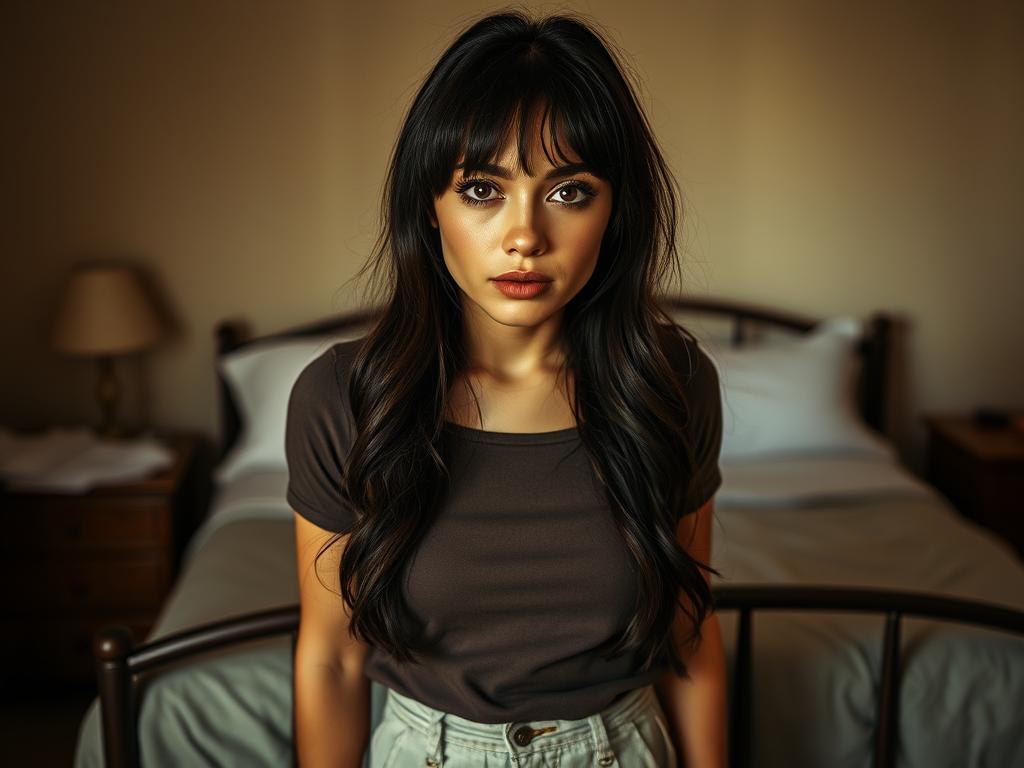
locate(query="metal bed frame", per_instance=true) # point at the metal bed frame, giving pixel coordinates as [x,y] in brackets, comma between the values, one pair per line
[120,663]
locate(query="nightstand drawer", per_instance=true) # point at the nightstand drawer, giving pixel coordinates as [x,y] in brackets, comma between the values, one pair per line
[88,523]
[83,584]
[981,471]
[71,563]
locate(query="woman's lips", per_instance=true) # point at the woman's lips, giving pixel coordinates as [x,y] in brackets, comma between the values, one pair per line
[523,277]
[516,289]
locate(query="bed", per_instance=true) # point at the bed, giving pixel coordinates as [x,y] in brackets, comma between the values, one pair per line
[814,500]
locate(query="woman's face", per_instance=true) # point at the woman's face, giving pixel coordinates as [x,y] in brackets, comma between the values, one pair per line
[550,223]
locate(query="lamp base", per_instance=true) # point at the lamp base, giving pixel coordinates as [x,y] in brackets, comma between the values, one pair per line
[108,393]
[115,432]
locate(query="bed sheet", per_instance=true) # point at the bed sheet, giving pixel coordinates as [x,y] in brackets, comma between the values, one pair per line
[838,520]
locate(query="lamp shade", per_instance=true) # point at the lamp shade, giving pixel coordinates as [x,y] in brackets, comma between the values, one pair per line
[104,311]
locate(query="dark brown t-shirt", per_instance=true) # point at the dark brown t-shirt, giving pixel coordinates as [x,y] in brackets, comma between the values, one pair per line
[523,573]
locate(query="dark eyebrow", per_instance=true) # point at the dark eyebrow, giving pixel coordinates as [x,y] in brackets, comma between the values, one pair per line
[557,172]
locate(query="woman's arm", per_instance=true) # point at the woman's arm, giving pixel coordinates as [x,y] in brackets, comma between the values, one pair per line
[332,695]
[696,708]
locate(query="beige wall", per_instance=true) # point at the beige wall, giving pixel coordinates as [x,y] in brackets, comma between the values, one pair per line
[835,158]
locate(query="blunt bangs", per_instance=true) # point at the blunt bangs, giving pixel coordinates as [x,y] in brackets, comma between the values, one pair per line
[487,96]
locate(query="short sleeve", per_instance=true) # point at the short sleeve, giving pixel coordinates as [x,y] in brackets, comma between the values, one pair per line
[317,439]
[700,381]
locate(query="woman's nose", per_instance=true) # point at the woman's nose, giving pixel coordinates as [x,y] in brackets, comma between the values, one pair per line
[525,242]
[525,236]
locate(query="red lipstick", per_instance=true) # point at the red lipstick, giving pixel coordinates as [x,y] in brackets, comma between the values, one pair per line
[521,285]
[524,277]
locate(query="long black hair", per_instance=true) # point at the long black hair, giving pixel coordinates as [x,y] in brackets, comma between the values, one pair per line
[629,406]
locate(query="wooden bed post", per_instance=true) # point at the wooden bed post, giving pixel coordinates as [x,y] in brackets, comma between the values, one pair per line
[887,725]
[740,730]
[875,350]
[111,646]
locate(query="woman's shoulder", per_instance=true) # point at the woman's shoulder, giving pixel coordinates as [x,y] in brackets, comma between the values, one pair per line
[346,349]
[330,367]
[321,389]
[318,438]
[689,359]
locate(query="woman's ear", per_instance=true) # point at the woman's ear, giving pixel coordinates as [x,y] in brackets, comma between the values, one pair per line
[433,221]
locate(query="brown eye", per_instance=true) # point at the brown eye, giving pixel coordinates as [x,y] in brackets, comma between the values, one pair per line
[478,188]
[481,190]
[575,194]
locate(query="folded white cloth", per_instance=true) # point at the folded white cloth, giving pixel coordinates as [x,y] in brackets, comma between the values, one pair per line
[73,460]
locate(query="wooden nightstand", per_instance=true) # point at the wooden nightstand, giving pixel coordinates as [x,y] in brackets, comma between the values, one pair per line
[72,563]
[981,470]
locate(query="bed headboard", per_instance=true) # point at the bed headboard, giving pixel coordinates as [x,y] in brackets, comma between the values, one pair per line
[743,319]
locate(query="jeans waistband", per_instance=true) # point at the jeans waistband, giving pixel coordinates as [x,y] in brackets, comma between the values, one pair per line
[520,737]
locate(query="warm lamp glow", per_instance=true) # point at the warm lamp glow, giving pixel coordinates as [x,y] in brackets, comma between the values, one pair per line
[104,311]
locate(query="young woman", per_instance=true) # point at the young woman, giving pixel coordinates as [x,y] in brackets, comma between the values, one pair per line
[503,492]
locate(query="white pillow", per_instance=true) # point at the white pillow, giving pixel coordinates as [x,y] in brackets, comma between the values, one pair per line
[260,377]
[795,396]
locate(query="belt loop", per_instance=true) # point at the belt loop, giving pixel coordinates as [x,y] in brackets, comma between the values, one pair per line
[602,747]
[435,739]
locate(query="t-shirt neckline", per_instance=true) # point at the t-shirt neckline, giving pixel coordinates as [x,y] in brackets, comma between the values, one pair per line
[513,438]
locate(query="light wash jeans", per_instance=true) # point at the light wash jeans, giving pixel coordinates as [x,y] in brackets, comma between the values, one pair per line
[631,733]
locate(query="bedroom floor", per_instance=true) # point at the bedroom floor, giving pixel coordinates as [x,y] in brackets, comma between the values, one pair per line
[40,728]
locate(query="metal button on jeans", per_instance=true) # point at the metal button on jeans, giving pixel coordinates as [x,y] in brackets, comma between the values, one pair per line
[523,735]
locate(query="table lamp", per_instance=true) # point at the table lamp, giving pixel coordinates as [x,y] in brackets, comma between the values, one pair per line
[105,312]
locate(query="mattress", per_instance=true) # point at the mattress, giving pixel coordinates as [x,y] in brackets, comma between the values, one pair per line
[823,520]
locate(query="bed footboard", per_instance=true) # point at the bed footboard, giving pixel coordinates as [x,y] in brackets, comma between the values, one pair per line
[895,604]
[119,662]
